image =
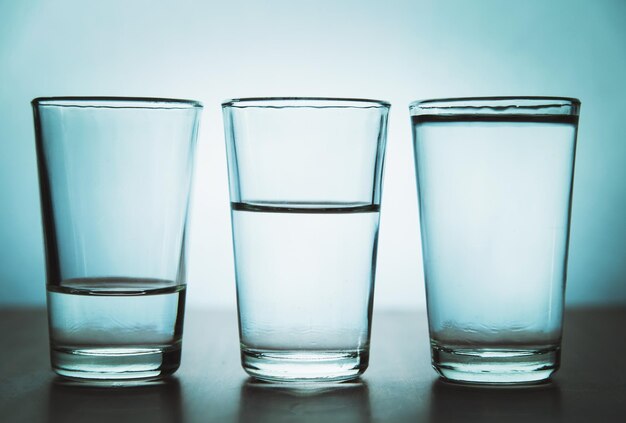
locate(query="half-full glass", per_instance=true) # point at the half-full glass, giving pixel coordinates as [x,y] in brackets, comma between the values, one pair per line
[115,176]
[305,187]
[494,179]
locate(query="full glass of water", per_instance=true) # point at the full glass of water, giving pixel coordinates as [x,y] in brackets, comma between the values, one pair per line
[494,179]
[305,186]
[115,176]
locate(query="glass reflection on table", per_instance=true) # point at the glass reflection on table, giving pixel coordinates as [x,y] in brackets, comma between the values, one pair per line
[155,402]
[524,403]
[262,402]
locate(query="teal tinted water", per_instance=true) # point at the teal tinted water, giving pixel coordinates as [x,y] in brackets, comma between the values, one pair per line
[114,328]
[305,278]
[494,203]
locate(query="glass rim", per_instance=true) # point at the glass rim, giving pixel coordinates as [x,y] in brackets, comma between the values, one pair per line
[496,105]
[108,102]
[299,102]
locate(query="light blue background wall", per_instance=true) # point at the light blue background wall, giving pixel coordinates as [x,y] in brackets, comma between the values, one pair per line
[393,50]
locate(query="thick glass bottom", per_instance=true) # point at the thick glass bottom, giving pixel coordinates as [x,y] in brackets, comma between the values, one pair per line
[304,366]
[115,364]
[495,366]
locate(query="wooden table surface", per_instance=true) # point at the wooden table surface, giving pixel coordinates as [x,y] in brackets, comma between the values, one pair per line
[399,385]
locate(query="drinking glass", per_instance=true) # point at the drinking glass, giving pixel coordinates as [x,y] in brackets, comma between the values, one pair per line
[305,186]
[115,176]
[494,178]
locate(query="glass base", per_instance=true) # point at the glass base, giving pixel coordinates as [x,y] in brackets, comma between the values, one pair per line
[115,364]
[495,366]
[304,366]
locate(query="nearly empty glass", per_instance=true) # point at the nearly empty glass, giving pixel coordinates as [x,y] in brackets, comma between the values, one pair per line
[494,180]
[305,186]
[115,176]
